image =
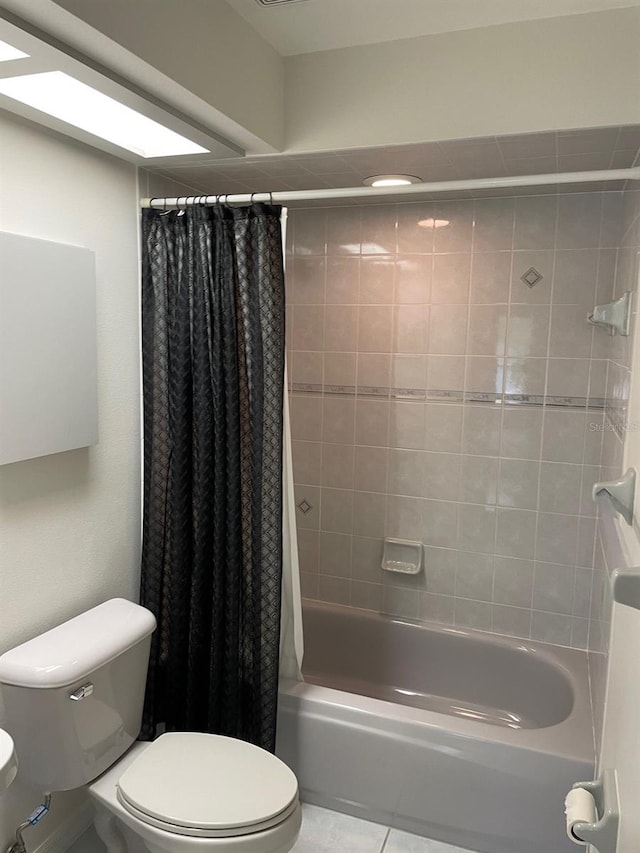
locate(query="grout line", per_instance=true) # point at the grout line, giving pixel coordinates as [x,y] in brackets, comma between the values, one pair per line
[544,408]
[465,385]
[584,451]
[322,399]
[502,416]
[386,838]
[392,358]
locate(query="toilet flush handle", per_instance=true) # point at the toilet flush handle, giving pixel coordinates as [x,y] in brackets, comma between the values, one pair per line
[81,692]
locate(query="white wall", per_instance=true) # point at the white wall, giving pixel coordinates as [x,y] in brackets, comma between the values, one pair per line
[207,48]
[577,71]
[621,746]
[565,72]
[70,523]
[621,736]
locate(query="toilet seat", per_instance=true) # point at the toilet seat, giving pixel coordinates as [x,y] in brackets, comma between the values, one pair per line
[207,786]
[231,832]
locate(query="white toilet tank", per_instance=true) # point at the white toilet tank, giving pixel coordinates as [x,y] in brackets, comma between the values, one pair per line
[74,695]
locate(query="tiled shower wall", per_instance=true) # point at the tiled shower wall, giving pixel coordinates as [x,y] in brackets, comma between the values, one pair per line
[618,429]
[437,396]
[619,351]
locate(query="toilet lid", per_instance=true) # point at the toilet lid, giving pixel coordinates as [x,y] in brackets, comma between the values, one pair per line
[208,785]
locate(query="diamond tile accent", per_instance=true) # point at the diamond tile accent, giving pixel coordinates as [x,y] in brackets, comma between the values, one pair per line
[531,277]
[304,506]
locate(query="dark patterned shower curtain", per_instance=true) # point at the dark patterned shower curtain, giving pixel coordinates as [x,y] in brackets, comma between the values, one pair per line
[213,362]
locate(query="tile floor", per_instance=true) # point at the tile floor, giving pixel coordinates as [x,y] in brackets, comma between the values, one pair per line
[325,831]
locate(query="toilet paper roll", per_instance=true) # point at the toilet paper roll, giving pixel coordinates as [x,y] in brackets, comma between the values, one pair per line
[579,807]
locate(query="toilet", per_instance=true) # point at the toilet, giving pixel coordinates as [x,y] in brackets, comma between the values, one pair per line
[73,699]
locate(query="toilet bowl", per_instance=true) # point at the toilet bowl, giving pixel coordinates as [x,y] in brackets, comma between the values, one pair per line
[159,791]
[73,699]
[192,791]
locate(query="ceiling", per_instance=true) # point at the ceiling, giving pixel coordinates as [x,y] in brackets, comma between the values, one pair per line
[313,25]
[487,157]
[47,85]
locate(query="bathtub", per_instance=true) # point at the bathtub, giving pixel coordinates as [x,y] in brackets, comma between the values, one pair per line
[456,735]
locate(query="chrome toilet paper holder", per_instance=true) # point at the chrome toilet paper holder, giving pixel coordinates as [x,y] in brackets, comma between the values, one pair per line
[603,834]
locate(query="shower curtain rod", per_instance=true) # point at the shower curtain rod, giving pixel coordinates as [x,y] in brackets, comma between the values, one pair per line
[288,196]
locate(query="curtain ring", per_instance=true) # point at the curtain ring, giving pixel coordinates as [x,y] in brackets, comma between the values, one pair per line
[270,197]
[251,199]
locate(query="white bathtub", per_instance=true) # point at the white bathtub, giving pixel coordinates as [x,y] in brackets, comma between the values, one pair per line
[483,738]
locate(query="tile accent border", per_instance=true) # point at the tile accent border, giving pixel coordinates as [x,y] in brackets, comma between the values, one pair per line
[449,396]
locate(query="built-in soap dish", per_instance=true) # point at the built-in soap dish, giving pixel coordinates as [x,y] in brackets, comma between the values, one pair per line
[402,555]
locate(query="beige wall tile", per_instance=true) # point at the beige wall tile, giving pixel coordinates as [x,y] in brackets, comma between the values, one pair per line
[487,330]
[396,311]
[413,275]
[342,280]
[519,481]
[375,328]
[377,280]
[494,222]
[448,329]
[451,279]
[416,227]
[490,278]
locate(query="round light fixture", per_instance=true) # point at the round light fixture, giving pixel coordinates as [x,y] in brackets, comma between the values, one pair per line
[433,223]
[391,180]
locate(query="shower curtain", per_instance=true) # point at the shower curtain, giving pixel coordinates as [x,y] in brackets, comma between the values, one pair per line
[212,551]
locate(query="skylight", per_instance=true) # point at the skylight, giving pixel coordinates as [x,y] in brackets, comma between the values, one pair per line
[59,95]
[8,52]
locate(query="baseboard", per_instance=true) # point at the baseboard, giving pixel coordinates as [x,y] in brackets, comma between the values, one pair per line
[68,831]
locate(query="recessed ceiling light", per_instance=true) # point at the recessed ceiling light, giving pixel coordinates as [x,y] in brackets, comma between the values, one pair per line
[434,223]
[8,52]
[391,180]
[59,95]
